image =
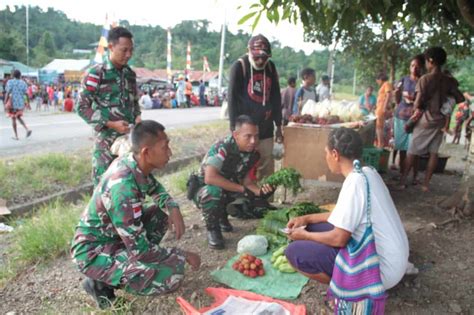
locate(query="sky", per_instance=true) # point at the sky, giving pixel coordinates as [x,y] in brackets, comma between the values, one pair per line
[169,13]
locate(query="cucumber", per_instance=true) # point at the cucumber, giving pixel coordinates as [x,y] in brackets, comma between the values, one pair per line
[286,268]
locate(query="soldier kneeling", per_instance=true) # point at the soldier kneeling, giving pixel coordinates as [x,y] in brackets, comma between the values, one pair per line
[117,240]
[224,185]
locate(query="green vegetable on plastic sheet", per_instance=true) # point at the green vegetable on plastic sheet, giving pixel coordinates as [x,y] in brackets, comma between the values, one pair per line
[286,177]
[304,208]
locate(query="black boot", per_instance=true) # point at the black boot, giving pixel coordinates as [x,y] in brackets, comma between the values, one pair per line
[225,224]
[215,239]
[103,294]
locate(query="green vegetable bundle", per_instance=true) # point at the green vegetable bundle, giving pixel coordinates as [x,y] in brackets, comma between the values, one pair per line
[286,177]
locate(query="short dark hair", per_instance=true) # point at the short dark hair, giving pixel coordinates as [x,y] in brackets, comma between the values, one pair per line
[17,74]
[117,32]
[291,80]
[347,142]
[307,72]
[244,119]
[382,76]
[420,58]
[437,54]
[325,78]
[145,132]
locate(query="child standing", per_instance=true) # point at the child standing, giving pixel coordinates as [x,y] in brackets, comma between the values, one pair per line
[306,92]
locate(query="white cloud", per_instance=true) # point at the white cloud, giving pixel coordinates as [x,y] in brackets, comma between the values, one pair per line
[170,13]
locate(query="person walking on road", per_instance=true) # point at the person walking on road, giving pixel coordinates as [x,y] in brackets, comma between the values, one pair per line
[15,102]
[108,99]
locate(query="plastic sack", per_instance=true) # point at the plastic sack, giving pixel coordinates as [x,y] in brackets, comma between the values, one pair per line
[278,151]
[220,296]
[255,245]
[121,146]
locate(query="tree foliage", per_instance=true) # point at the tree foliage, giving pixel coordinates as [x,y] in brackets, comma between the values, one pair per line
[381,35]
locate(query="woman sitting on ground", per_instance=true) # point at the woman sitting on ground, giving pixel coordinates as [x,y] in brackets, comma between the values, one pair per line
[364,211]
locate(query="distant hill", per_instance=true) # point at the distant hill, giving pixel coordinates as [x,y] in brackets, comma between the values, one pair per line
[53,35]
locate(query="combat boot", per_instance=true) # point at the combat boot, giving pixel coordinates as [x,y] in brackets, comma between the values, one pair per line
[215,239]
[103,294]
[225,224]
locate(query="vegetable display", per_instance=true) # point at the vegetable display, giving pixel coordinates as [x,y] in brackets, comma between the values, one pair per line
[286,177]
[328,112]
[280,262]
[272,223]
[249,266]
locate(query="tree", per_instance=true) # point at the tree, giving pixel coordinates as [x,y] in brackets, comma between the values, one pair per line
[449,23]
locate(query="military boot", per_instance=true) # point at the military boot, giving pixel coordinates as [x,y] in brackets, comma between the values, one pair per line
[215,239]
[225,224]
[103,294]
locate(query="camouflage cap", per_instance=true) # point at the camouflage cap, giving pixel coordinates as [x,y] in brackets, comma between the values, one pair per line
[260,46]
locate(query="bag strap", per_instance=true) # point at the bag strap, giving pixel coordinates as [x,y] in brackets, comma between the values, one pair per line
[368,206]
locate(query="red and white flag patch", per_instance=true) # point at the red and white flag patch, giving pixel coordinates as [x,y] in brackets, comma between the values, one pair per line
[92,81]
[137,210]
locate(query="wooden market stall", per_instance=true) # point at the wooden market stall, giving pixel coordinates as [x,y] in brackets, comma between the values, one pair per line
[305,148]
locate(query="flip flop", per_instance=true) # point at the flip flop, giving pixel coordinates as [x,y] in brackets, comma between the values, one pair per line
[28,133]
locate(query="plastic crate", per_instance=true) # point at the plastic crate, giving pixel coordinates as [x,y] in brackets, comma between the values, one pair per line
[376,157]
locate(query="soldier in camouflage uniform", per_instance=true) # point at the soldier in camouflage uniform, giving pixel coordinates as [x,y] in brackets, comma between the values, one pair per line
[116,244]
[224,176]
[108,99]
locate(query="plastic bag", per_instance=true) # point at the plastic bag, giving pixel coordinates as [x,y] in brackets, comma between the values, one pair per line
[221,294]
[121,146]
[278,151]
[255,245]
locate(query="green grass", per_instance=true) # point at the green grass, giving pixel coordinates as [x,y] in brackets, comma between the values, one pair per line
[176,182]
[29,175]
[46,235]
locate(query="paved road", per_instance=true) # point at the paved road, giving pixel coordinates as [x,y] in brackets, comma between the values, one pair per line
[62,132]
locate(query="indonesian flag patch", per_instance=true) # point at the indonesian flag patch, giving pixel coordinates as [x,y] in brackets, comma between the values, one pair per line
[137,210]
[91,82]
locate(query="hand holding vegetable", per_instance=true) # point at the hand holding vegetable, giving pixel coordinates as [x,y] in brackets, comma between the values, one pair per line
[266,191]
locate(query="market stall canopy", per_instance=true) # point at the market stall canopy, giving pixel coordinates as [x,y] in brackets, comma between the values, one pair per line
[60,65]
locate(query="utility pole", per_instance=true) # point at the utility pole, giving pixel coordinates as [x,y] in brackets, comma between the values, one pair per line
[221,59]
[354,82]
[27,37]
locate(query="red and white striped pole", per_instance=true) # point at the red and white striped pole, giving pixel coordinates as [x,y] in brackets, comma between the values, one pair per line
[188,61]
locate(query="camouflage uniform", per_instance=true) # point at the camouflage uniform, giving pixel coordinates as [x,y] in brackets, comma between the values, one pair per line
[233,165]
[107,94]
[117,239]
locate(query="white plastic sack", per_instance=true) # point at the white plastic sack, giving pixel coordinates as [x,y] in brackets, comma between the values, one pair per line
[255,245]
[121,146]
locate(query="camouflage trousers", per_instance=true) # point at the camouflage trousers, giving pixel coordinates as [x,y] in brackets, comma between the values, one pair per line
[115,267]
[217,203]
[102,157]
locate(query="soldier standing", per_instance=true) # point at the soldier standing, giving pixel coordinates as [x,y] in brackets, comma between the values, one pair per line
[224,180]
[116,244]
[108,99]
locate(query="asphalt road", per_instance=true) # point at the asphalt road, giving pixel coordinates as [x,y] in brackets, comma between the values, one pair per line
[62,132]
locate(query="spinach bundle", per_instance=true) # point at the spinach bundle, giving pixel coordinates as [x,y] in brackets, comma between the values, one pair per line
[287,177]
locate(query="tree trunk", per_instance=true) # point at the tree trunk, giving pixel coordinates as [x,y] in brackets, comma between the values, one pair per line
[462,202]
[467,10]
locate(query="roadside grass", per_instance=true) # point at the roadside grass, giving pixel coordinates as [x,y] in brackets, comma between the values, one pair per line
[175,183]
[33,174]
[26,178]
[44,236]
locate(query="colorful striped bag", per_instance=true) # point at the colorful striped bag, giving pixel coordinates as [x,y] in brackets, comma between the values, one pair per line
[356,286]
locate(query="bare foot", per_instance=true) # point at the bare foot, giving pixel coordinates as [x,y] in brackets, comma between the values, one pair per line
[15,138]
[425,188]
[399,187]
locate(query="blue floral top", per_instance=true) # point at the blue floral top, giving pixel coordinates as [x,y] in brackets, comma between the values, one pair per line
[17,89]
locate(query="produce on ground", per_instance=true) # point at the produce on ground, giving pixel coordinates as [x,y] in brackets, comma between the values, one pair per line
[280,262]
[272,223]
[249,266]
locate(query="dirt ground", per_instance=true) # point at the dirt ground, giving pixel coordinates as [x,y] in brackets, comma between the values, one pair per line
[443,254]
